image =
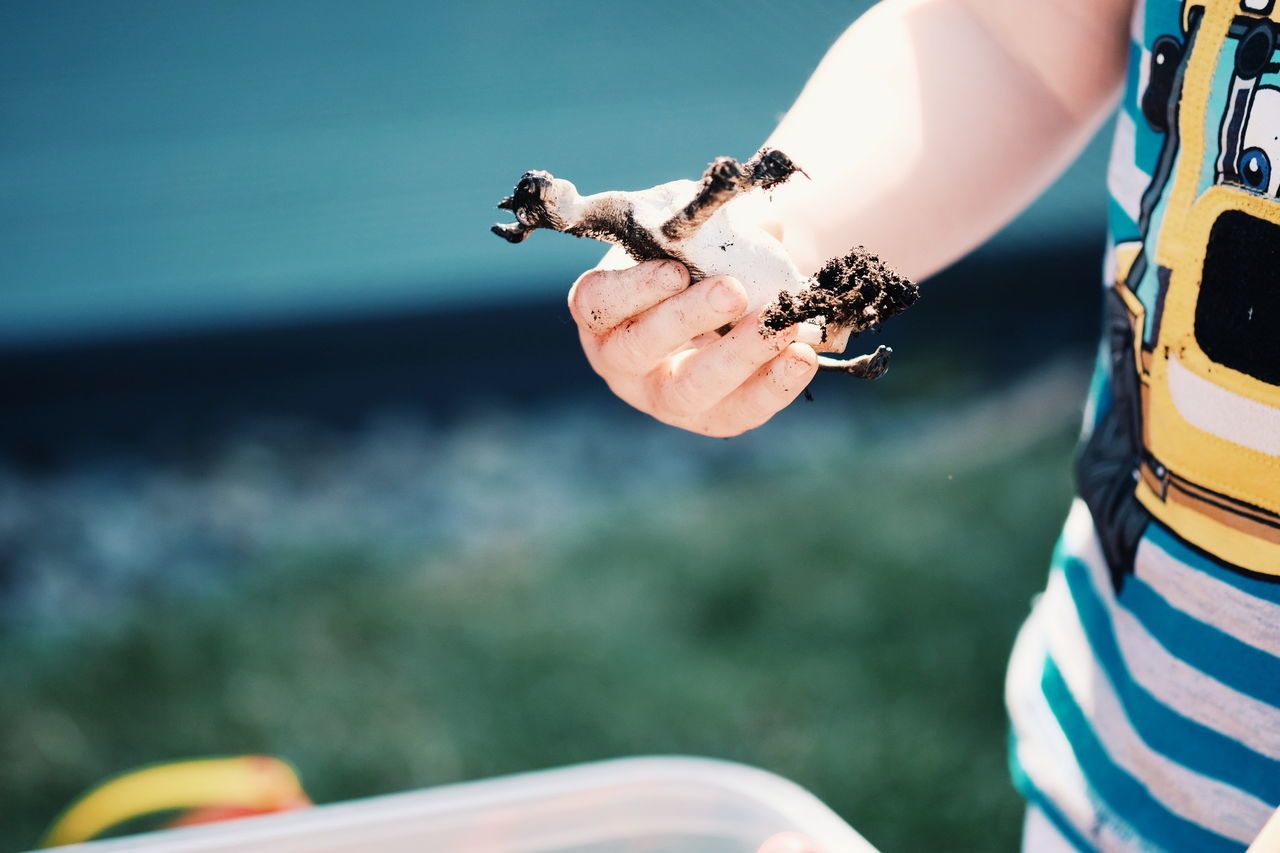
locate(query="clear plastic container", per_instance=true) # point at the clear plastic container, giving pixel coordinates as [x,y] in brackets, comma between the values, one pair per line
[673,805]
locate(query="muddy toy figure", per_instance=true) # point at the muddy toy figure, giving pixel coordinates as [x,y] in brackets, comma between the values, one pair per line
[711,227]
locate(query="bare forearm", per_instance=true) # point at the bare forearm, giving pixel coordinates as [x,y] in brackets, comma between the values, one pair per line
[1268,841]
[930,123]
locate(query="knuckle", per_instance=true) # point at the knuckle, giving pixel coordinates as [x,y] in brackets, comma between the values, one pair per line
[625,349]
[686,396]
[691,315]
[685,318]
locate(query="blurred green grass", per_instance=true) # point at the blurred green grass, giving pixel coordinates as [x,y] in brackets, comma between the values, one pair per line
[844,624]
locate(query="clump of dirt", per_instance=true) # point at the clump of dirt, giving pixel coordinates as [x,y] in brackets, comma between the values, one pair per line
[854,292]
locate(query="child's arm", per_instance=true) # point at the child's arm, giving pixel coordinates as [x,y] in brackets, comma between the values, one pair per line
[931,123]
[1268,841]
[925,128]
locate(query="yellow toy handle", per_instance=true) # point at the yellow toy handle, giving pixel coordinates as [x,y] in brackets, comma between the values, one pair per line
[253,783]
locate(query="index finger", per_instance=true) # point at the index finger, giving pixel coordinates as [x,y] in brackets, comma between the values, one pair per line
[601,299]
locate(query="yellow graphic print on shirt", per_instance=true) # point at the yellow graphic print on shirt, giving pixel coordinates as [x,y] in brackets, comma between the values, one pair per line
[1201,289]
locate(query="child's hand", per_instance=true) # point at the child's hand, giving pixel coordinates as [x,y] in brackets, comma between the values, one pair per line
[651,336]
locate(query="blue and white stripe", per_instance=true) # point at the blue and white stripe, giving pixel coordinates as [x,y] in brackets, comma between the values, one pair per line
[1148,720]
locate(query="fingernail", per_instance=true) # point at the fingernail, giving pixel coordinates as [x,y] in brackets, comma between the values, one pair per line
[724,298]
[796,366]
[809,333]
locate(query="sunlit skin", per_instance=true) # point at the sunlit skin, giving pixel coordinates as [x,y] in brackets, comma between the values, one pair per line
[791,842]
[1268,841]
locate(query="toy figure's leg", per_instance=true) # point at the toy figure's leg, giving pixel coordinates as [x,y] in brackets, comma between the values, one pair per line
[611,219]
[767,169]
[870,366]
[720,182]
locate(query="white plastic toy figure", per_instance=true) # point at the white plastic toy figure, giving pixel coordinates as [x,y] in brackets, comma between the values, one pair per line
[711,228]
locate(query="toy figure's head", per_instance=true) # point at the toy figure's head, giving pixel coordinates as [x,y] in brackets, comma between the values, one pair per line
[537,202]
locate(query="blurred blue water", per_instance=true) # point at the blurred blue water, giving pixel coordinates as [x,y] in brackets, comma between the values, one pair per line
[172,166]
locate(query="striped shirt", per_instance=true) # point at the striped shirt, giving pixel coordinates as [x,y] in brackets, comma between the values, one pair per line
[1144,689]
